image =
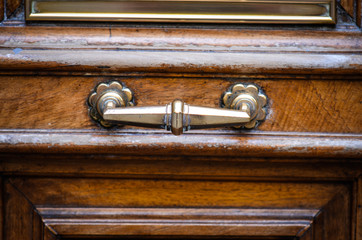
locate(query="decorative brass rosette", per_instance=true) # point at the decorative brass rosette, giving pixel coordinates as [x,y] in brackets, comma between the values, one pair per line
[108,95]
[248,98]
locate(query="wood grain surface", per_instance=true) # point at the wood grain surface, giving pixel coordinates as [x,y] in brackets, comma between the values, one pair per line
[298,175]
[180,167]
[175,193]
[125,207]
[177,221]
[12,6]
[200,144]
[119,50]
[16,205]
[298,106]
[349,6]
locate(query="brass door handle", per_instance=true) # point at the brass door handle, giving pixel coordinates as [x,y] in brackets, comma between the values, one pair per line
[112,104]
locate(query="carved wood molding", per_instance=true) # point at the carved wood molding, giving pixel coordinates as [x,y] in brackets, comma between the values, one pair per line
[228,222]
[179,50]
[191,144]
[311,211]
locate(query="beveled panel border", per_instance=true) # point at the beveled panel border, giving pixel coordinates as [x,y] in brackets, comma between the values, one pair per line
[220,11]
[27,218]
[68,221]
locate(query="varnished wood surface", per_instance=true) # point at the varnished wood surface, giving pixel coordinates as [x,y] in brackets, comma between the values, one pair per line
[180,167]
[178,221]
[180,51]
[164,207]
[12,6]
[29,102]
[17,205]
[295,176]
[174,193]
[205,143]
[348,5]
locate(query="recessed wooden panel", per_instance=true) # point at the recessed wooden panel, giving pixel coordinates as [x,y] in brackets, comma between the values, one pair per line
[304,210]
[174,193]
[12,6]
[348,5]
[19,215]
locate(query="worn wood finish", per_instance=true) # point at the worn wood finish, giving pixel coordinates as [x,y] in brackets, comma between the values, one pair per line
[173,38]
[202,51]
[297,176]
[181,62]
[60,102]
[178,221]
[209,143]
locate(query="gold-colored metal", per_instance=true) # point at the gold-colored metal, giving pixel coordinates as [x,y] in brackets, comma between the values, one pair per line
[108,96]
[222,11]
[111,104]
[246,98]
[177,120]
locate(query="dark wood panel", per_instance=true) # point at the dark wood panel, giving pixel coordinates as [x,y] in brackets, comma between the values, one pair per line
[22,220]
[175,193]
[348,5]
[12,6]
[334,220]
[60,102]
[306,210]
[18,215]
[2,207]
[359,13]
[2,10]
[359,209]
[181,167]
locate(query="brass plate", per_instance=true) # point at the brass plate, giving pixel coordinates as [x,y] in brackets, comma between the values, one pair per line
[220,11]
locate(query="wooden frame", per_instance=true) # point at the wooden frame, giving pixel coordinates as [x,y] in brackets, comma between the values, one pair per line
[220,11]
